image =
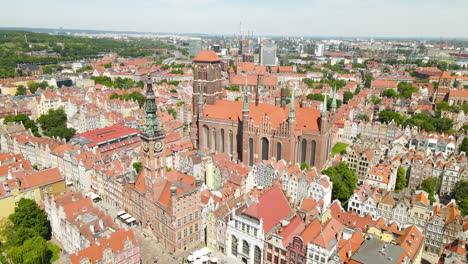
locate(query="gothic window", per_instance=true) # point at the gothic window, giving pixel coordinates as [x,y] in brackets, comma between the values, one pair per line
[278,151]
[250,152]
[199,75]
[222,140]
[213,144]
[245,248]
[205,136]
[257,255]
[205,76]
[265,148]
[303,150]
[234,246]
[312,152]
[230,142]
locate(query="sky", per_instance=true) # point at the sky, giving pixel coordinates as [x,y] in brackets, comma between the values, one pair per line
[334,18]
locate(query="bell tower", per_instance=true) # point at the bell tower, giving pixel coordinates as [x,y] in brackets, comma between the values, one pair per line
[152,140]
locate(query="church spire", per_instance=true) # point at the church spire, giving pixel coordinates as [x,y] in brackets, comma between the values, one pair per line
[152,126]
[246,96]
[333,104]
[324,106]
[292,106]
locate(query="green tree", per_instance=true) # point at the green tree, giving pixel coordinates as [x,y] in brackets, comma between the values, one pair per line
[364,117]
[172,112]
[367,80]
[305,166]
[24,119]
[464,145]
[431,186]
[347,96]
[33,251]
[344,181]
[107,65]
[406,90]
[390,93]
[400,180]
[137,166]
[388,116]
[29,215]
[54,124]
[460,194]
[20,90]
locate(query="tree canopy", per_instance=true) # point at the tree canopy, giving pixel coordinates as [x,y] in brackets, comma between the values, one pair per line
[344,181]
[54,124]
[400,180]
[136,96]
[464,145]
[460,194]
[431,186]
[388,116]
[25,120]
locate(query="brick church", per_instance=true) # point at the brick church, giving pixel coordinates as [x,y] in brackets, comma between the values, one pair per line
[254,131]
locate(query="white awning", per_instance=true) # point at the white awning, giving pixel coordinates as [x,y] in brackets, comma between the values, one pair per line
[131,219]
[125,216]
[92,195]
[69,183]
[120,213]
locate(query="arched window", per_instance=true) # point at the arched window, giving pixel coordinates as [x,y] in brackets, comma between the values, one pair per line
[312,152]
[205,136]
[303,150]
[214,143]
[257,255]
[234,246]
[278,151]
[222,140]
[250,152]
[245,248]
[230,142]
[265,148]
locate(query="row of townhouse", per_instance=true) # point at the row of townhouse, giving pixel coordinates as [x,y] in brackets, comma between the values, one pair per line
[441,224]
[296,183]
[88,234]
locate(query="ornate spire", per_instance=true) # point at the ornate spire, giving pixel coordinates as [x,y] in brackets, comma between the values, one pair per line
[152,126]
[333,104]
[246,96]
[292,106]
[324,106]
[283,95]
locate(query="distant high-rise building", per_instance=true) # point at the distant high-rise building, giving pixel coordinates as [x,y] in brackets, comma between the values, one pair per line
[319,50]
[268,54]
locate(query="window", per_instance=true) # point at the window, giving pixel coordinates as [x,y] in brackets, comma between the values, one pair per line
[179,235]
[230,142]
[278,151]
[265,149]
[257,255]
[222,140]
[196,227]
[303,150]
[312,152]
[250,151]
[234,246]
[214,143]
[245,248]
[205,136]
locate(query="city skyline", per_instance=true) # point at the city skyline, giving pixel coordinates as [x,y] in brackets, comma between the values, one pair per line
[336,18]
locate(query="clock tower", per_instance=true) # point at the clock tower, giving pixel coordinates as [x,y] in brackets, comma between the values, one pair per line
[152,140]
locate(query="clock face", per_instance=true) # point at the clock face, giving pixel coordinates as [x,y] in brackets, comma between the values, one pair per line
[158,146]
[145,146]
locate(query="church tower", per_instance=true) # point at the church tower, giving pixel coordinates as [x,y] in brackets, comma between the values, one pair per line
[207,83]
[152,140]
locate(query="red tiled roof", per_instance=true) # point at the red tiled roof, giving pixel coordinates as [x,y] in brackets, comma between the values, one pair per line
[95,252]
[207,56]
[306,119]
[295,226]
[42,178]
[106,134]
[273,198]
[458,93]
